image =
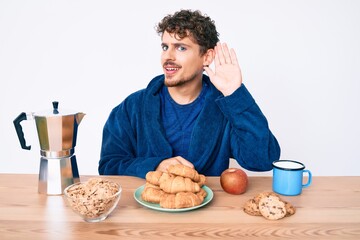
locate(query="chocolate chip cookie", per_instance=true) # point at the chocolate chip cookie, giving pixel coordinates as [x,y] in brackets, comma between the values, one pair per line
[272,208]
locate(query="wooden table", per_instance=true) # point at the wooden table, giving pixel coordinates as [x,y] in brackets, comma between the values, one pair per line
[328,209]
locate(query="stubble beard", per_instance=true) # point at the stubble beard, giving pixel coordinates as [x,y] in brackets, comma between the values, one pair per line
[173,82]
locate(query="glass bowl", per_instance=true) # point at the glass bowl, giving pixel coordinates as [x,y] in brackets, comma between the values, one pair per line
[93,200]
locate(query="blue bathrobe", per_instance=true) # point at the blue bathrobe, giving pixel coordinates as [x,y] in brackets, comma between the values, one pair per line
[134,140]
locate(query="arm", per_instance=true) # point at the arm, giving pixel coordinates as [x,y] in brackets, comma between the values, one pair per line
[252,143]
[119,148]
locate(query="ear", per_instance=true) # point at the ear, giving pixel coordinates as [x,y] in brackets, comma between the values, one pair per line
[209,56]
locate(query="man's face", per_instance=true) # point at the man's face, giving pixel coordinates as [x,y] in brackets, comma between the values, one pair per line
[181,60]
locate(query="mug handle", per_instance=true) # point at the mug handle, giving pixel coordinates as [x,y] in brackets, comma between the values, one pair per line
[309,178]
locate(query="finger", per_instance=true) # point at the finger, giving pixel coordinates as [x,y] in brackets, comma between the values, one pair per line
[233,57]
[185,162]
[220,53]
[216,59]
[226,53]
[163,166]
[209,71]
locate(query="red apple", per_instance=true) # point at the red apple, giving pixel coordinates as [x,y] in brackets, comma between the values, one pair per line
[234,181]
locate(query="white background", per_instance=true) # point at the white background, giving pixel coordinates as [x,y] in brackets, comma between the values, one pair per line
[300,60]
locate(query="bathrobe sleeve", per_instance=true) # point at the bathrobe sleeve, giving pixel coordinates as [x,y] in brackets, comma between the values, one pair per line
[252,144]
[119,146]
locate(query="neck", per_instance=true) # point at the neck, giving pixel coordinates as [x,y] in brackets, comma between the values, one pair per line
[186,93]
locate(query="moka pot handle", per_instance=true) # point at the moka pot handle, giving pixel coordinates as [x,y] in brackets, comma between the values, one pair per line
[19,130]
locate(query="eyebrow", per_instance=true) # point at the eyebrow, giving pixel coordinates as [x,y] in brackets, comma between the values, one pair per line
[176,44]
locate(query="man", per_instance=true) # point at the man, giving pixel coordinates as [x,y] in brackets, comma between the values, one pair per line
[187,117]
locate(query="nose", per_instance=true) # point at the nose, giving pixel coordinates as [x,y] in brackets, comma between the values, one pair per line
[168,55]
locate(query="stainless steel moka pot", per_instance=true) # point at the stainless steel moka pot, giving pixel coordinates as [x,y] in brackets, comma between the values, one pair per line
[57,131]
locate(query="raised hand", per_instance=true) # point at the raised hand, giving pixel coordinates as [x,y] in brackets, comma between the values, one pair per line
[227,74]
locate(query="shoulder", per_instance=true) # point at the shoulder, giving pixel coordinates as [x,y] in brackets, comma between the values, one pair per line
[132,102]
[152,89]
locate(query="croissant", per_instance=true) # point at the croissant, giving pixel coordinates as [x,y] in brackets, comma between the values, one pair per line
[184,171]
[202,193]
[164,177]
[202,180]
[179,184]
[148,185]
[152,194]
[153,177]
[180,200]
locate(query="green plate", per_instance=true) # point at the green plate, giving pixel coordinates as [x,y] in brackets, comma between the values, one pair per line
[155,206]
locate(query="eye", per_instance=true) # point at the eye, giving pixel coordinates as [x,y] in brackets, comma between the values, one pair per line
[164,47]
[181,48]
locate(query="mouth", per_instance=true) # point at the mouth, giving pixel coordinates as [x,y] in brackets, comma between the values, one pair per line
[171,69]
